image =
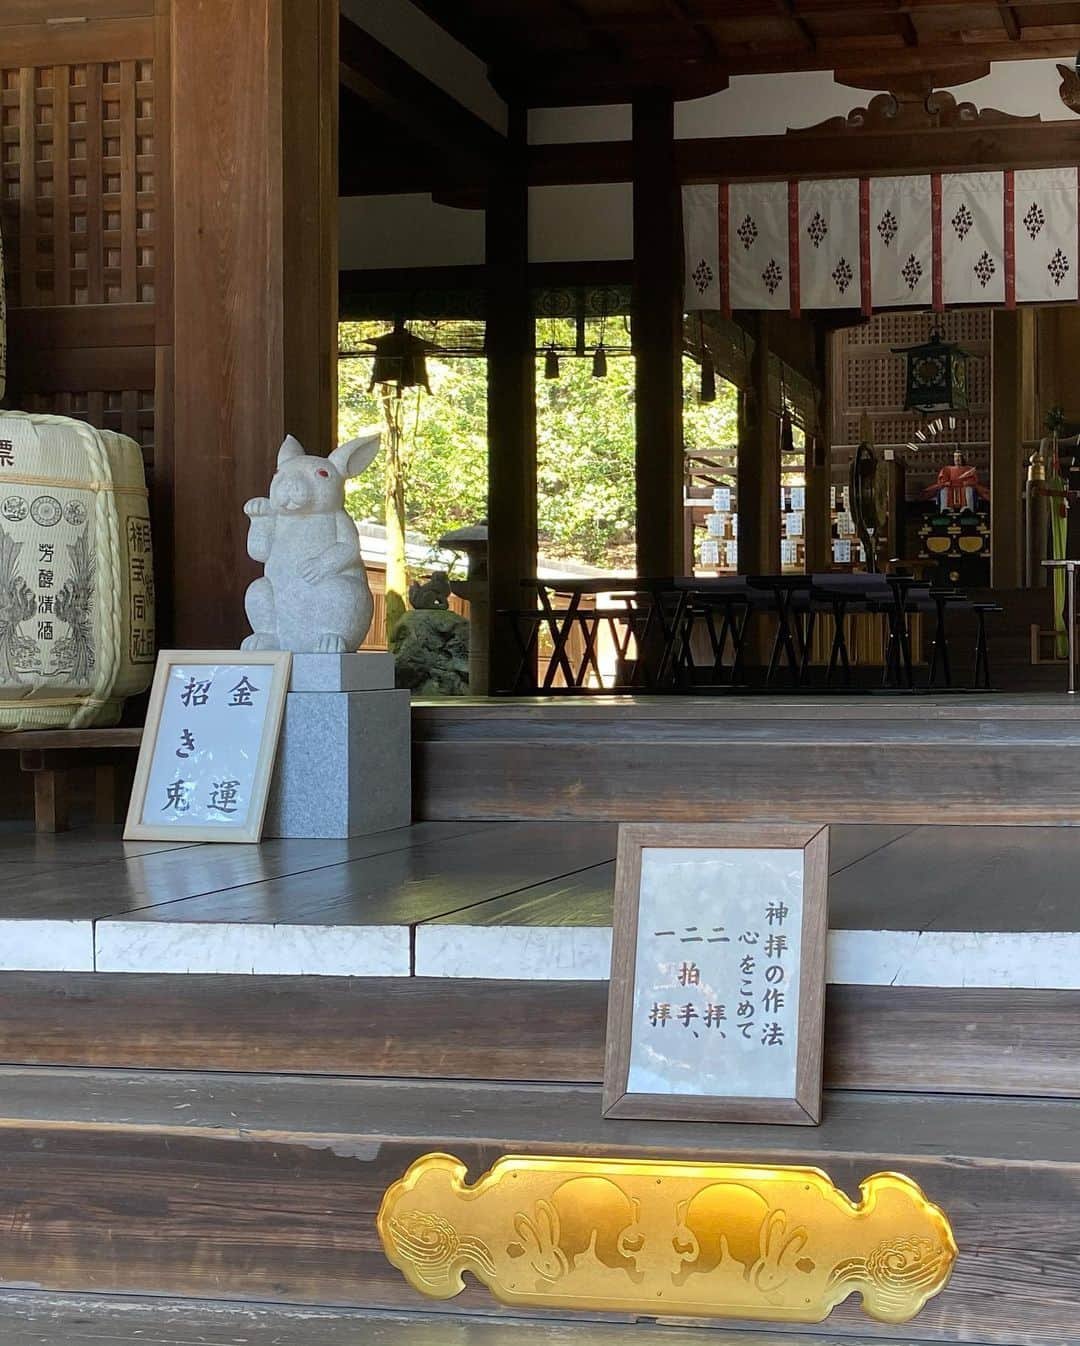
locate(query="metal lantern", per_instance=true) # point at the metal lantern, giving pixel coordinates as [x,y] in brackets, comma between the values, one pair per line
[937,376]
[400,358]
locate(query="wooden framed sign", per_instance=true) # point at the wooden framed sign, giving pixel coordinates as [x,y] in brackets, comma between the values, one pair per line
[207,753]
[717,1001]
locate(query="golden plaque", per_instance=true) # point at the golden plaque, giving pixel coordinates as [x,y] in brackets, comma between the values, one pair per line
[658,1237]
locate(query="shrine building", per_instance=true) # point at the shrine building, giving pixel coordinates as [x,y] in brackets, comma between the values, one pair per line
[538,672]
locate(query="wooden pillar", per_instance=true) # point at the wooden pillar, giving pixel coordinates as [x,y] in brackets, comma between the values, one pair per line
[818,518]
[759,466]
[658,338]
[254,161]
[511,344]
[1006,452]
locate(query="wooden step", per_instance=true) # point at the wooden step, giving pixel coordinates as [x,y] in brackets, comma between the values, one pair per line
[266,1188]
[893,758]
[30,1318]
[926,1039]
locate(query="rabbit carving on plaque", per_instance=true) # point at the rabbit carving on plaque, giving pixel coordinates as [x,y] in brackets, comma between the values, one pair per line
[314,595]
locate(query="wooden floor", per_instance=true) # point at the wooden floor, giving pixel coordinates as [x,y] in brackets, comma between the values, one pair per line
[264,1189]
[873,758]
[942,906]
[36,1319]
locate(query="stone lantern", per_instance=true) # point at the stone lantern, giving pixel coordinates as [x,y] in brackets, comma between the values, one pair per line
[473,542]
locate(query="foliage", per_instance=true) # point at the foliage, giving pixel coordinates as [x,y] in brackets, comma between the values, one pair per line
[585,445]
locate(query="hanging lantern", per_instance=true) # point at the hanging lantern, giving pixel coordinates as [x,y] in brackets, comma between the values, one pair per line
[708,378]
[400,359]
[787,437]
[551,363]
[937,376]
[599,362]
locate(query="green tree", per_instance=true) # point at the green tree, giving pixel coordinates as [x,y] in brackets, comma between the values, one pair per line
[585,446]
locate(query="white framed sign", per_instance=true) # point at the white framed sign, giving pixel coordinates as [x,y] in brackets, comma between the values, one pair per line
[717,999]
[207,752]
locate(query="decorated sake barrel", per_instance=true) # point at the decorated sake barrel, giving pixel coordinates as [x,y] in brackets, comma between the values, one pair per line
[76,573]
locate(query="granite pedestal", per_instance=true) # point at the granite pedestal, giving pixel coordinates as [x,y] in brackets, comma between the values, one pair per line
[343,764]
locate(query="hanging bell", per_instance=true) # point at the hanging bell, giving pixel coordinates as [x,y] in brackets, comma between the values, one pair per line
[551,363]
[708,378]
[599,362]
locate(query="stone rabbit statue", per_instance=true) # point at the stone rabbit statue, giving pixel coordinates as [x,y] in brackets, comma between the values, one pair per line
[314,596]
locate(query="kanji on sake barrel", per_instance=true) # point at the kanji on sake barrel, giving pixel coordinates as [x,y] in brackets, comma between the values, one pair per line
[76,573]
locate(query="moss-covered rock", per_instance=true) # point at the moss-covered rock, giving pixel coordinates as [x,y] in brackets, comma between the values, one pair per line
[431,648]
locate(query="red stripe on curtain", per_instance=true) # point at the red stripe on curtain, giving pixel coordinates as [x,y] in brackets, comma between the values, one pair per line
[795,297]
[935,206]
[724,259]
[1009,195]
[864,245]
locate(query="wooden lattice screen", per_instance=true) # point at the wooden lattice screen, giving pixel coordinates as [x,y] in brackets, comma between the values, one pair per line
[869,378]
[80,210]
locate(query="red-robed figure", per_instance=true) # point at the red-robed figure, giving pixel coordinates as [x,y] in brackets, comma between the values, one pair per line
[957,486]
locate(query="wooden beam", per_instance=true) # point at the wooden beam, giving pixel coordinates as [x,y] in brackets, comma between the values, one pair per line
[788,10]
[657,338]
[1010,22]
[581,79]
[511,344]
[410,100]
[255,278]
[825,154]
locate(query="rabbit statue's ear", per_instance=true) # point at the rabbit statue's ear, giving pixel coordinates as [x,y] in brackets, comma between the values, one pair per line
[290,448]
[353,458]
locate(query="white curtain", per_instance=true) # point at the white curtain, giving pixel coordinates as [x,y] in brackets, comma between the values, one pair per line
[830,272]
[901,244]
[1045,232]
[758,245]
[1003,238]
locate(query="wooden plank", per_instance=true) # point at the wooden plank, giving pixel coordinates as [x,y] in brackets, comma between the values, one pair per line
[70,740]
[657,340]
[877,1038]
[412,102]
[952,150]
[269,1187]
[29,1318]
[90,369]
[382,883]
[20,12]
[133,883]
[968,758]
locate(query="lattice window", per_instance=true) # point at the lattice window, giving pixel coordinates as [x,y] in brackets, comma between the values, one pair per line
[78,183]
[130,412]
[871,379]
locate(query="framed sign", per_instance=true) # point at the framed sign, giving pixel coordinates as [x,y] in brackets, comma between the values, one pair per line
[717,1000]
[207,752]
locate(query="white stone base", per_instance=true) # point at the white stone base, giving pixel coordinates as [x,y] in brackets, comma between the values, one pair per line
[343,766]
[371,671]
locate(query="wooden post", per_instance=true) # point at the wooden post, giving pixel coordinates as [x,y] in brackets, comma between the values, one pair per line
[818,518]
[254,158]
[1006,453]
[511,343]
[658,338]
[759,466]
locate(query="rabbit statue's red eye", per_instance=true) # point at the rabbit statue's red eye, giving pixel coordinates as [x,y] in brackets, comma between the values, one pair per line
[323,472]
